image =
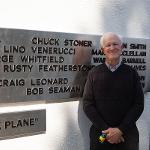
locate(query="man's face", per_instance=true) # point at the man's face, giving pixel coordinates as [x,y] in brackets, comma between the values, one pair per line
[112,47]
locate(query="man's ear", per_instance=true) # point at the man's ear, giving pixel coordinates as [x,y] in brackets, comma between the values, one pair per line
[102,50]
[122,46]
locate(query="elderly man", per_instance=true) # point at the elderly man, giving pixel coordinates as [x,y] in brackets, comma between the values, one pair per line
[113,99]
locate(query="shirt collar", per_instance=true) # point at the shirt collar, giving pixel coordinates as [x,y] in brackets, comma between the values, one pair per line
[114,67]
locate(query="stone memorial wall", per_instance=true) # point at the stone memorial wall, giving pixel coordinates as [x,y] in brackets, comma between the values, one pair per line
[38,65]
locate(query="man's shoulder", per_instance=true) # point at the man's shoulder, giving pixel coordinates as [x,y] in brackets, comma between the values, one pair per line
[98,68]
[128,67]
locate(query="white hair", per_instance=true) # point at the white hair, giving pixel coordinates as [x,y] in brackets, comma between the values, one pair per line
[110,33]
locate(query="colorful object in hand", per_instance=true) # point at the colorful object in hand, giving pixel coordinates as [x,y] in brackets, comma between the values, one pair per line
[102,137]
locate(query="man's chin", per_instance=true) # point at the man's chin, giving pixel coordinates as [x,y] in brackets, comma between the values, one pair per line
[113,58]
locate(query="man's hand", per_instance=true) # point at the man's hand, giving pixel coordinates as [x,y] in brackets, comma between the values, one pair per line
[114,135]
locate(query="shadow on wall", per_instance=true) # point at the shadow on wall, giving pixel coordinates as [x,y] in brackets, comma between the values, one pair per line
[84,126]
[83,56]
